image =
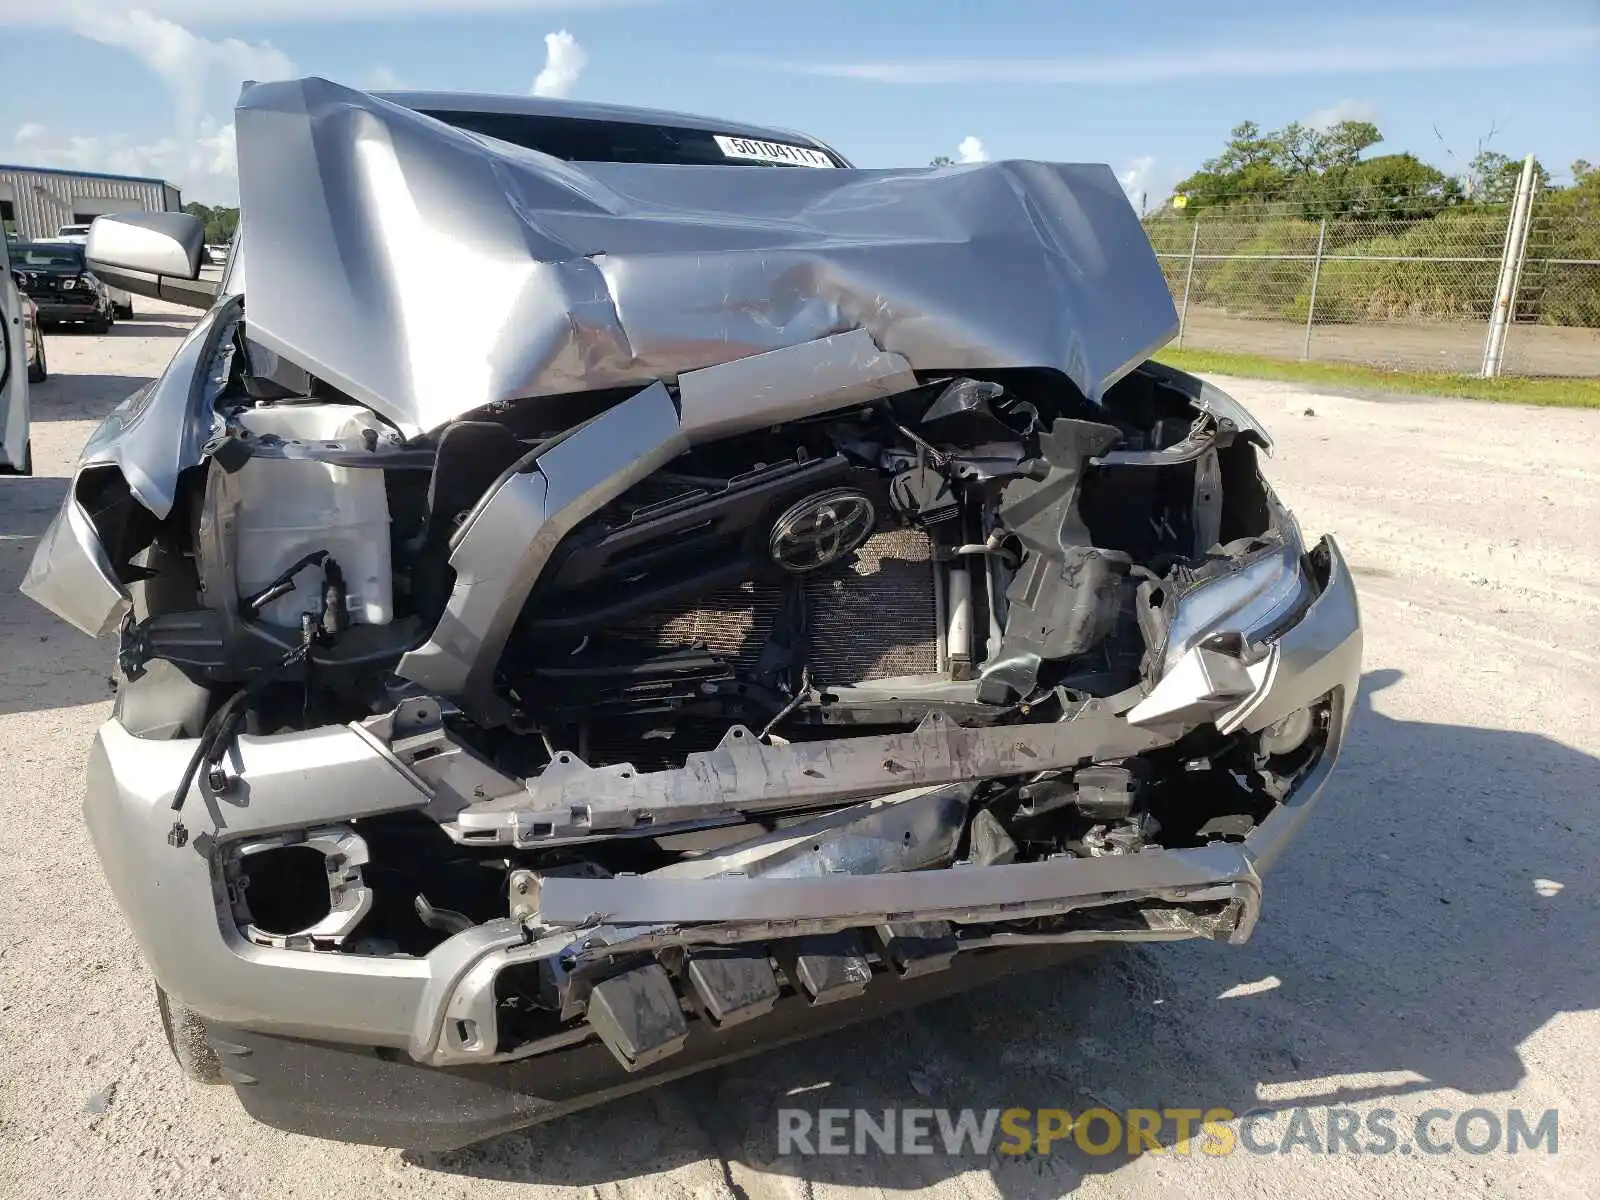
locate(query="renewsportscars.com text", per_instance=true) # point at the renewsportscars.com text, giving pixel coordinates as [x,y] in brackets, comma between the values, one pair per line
[1181,1131]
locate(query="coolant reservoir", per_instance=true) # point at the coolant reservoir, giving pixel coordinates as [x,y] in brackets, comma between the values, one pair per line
[289,508]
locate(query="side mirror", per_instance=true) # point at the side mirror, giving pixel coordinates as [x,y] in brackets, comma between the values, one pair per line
[156,254]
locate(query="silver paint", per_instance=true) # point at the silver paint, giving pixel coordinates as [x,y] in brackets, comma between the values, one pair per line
[71,576]
[160,431]
[508,538]
[606,275]
[765,295]
[784,385]
[177,910]
[158,243]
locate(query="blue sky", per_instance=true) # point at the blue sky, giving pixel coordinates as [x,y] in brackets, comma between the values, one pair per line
[1151,88]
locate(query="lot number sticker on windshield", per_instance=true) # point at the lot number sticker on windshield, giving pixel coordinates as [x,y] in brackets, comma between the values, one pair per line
[772,152]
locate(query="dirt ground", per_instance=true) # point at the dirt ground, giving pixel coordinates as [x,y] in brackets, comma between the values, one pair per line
[1431,941]
[1530,349]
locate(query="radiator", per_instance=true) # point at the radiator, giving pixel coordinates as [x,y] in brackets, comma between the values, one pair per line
[871,618]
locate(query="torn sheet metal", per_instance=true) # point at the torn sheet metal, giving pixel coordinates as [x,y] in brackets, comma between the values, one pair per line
[784,385]
[162,430]
[966,896]
[1201,684]
[743,775]
[907,831]
[509,537]
[364,218]
[71,575]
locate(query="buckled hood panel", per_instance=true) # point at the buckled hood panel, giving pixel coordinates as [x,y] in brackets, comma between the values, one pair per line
[426,271]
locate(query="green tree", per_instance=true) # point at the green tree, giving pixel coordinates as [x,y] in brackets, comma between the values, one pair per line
[1300,150]
[220,223]
[1396,187]
[1492,177]
[1297,163]
[1247,148]
[1246,169]
[942,160]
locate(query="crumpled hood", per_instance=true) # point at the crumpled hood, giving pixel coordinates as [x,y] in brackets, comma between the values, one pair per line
[427,272]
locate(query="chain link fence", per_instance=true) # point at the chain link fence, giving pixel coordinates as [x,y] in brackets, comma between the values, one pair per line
[1366,281]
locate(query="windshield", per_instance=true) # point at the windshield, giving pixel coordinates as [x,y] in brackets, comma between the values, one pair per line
[582,139]
[42,258]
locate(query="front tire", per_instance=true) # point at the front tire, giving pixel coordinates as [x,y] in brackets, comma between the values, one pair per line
[186,1035]
[125,311]
[27,462]
[38,369]
[100,325]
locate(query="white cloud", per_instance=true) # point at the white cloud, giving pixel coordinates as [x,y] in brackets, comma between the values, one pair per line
[564,61]
[201,165]
[1390,46]
[203,13]
[971,150]
[380,79]
[1136,178]
[199,155]
[1325,119]
[187,63]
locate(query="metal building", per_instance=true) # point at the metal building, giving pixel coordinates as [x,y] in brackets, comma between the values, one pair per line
[35,202]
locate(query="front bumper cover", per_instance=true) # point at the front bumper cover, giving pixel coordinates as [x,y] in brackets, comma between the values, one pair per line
[439,1009]
[176,902]
[354,1093]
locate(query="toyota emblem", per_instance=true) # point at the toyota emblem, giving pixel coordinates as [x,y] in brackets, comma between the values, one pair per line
[821,529]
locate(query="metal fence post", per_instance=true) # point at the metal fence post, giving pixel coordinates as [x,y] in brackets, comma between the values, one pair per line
[1316,273]
[1521,261]
[1188,278]
[1510,267]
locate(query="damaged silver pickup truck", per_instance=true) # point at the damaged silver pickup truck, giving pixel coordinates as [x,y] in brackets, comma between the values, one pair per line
[602,592]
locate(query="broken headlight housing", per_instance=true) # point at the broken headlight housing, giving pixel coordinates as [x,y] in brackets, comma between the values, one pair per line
[1255,601]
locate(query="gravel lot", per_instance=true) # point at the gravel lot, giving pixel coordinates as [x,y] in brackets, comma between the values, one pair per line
[1430,942]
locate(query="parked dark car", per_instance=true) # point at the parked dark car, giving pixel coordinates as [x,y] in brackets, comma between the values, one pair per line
[58,280]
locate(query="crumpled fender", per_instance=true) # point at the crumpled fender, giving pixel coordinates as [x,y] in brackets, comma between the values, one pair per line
[151,438]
